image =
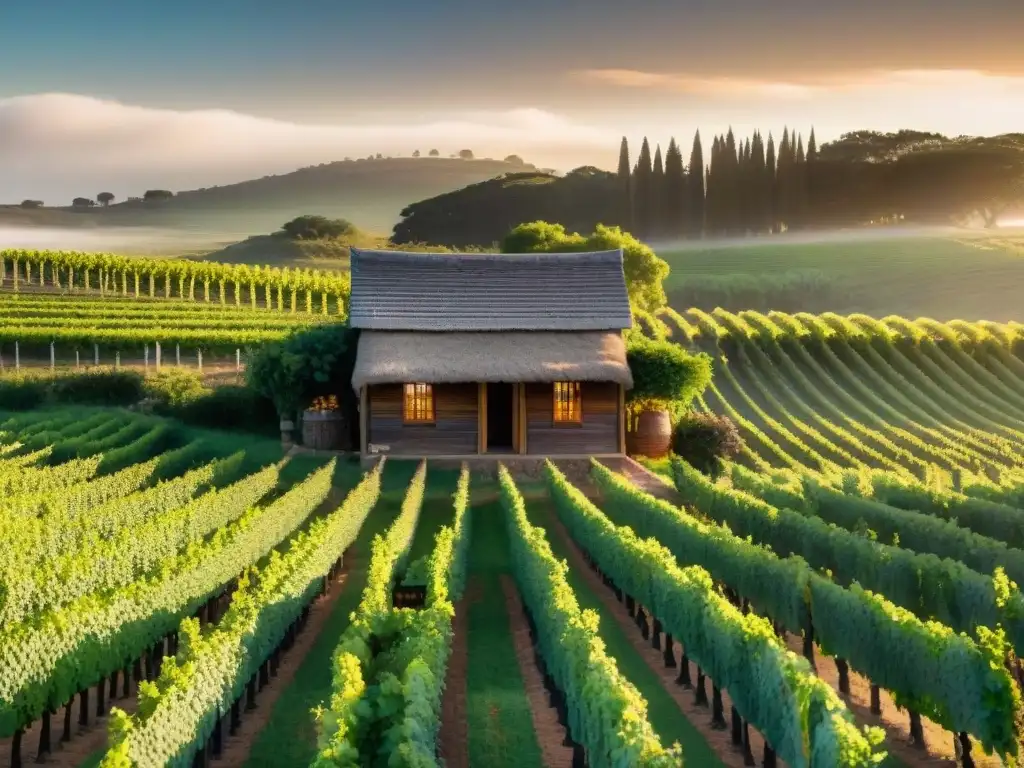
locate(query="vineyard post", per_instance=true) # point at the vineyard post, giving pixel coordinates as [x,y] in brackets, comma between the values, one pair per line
[52,360]
[117,360]
[78,360]
[17,357]
[238,360]
[96,354]
[177,355]
[199,360]
[145,353]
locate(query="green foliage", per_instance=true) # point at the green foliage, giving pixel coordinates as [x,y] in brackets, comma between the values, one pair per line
[664,374]
[174,387]
[23,391]
[389,666]
[880,640]
[644,271]
[800,716]
[308,364]
[58,652]
[178,715]
[606,713]
[311,227]
[229,406]
[704,440]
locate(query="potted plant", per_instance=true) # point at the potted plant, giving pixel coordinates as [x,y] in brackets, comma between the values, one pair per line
[311,363]
[323,425]
[666,378]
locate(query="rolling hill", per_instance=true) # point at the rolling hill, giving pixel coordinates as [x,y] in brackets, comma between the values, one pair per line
[370,193]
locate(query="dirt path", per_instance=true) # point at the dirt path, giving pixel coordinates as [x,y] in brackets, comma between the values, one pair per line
[550,733]
[236,748]
[896,722]
[720,741]
[452,743]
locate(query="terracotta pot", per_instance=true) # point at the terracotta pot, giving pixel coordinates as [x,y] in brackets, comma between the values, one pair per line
[651,435]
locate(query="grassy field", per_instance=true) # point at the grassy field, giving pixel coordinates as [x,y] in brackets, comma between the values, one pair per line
[945,277]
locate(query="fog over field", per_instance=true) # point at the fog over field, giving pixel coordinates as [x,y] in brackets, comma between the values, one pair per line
[129,240]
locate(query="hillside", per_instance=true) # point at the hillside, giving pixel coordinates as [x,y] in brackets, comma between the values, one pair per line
[370,193]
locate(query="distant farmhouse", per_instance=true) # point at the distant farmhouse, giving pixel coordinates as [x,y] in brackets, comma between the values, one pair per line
[470,354]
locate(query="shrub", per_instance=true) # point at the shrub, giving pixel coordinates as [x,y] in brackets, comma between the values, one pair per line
[21,392]
[645,272]
[704,440]
[317,228]
[308,364]
[97,387]
[174,387]
[665,376]
[228,407]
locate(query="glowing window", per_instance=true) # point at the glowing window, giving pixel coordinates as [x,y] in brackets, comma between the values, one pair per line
[568,402]
[418,406]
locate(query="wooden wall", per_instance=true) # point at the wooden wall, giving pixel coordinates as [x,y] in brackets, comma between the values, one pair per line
[454,430]
[598,432]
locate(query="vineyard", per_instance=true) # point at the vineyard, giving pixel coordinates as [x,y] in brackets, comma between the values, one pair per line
[843,594]
[71,307]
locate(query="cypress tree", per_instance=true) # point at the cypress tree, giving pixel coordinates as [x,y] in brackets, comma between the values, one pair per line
[747,188]
[812,161]
[642,197]
[799,184]
[771,185]
[625,187]
[713,188]
[675,192]
[730,201]
[697,187]
[784,182]
[761,193]
[657,221]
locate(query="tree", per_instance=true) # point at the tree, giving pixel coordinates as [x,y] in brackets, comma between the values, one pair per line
[675,204]
[416,153]
[514,160]
[157,195]
[771,183]
[31,203]
[105,198]
[697,191]
[310,363]
[644,271]
[625,175]
[316,228]
[434,153]
[665,375]
[657,215]
[83,202]
[466,154]
[642,191]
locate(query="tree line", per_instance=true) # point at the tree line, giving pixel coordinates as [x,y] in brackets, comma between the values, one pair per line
[743,186]
[755,186]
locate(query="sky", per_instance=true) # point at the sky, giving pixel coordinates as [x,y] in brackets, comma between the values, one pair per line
[191,93]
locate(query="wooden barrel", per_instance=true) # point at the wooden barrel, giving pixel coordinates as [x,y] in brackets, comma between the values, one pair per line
[651,435]
[323,430]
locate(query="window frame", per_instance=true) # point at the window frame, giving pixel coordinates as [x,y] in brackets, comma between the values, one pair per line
[410,397]
[573,405]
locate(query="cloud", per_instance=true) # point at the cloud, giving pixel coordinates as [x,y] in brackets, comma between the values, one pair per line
[803,87]
[54,141]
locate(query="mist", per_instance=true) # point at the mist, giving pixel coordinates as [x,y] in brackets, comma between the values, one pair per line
[150,241]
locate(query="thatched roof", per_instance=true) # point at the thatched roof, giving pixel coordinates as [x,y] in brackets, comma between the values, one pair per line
[390,357]
[399,291]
